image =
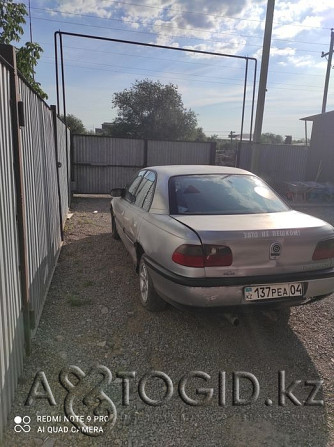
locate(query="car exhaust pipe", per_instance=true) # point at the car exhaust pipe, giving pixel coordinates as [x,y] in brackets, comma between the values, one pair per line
[233,319]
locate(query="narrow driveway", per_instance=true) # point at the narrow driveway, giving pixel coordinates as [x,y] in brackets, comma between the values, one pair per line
[93,323]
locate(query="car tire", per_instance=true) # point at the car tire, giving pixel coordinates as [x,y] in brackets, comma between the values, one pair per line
[148,296]
[114,232]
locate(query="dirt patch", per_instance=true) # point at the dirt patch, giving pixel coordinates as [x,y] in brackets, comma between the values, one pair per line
[92,319]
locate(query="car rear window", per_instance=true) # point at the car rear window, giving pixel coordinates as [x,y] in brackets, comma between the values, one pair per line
[222,194]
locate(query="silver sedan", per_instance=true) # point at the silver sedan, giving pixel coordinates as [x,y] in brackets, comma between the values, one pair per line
[219,237]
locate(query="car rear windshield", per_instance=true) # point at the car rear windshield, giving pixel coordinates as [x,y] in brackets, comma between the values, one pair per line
[222,194]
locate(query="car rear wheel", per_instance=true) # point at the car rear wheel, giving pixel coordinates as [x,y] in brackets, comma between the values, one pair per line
[148,296]
[114,232]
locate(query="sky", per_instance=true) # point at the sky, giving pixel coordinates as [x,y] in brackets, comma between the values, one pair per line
[212,86]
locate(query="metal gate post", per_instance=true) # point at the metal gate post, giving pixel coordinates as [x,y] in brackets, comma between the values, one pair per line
[58,166]
[8,52]
[213,149]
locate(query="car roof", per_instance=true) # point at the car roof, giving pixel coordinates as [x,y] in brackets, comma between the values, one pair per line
[171,170]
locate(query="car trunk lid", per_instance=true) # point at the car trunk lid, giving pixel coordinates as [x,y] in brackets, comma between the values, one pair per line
[265,243]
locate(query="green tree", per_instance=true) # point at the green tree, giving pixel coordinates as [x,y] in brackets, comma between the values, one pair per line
[153,110]
[198,135]
[11,21]
[12,18]
[75,124]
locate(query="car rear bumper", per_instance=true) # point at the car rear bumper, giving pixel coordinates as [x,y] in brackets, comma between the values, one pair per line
[229,292]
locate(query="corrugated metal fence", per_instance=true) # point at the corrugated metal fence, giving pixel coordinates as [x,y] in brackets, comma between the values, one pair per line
[34,203]
[40,179]
[103,163]
[277,162]
[11,316]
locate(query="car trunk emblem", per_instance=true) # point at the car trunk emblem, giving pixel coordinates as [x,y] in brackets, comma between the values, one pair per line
[275,250]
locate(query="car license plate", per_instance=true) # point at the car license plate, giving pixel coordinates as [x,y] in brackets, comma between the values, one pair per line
[269,291]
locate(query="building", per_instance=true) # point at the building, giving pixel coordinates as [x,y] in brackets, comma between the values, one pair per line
[104,129]
[320,163]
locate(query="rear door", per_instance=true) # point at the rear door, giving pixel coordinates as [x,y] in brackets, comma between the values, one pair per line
[138,207]
[121,205]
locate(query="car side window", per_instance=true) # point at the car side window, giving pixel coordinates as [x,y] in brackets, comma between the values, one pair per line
[145,191]
[131,189]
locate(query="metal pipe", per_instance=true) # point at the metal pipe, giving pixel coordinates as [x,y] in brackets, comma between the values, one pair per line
[233,319]
[143,44]
[253,102]
[211,53]
[54,118]
[244,102]
[57,76]
[62,76]
[68,168]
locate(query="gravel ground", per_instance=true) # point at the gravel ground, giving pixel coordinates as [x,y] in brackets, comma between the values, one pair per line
[92,317]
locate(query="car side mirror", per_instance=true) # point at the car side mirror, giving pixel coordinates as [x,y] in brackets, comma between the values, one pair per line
[117,192]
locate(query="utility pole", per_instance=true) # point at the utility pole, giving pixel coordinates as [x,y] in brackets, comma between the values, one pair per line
[30,26]
[232,135]
[262,83]
[329,66]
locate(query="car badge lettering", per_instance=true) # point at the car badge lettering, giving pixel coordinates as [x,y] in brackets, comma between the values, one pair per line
[275,250]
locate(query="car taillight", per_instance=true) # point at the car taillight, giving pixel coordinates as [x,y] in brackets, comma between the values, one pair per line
[189,255]
[324,250]
[217,256]
[203,256]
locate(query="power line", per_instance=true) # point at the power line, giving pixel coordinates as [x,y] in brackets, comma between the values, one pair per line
[148,70]
[218,33]
[202,13]
[133,55]
[329,67]
[158,34]
[119,69]
[165,25]
[180,61]
[133,31]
